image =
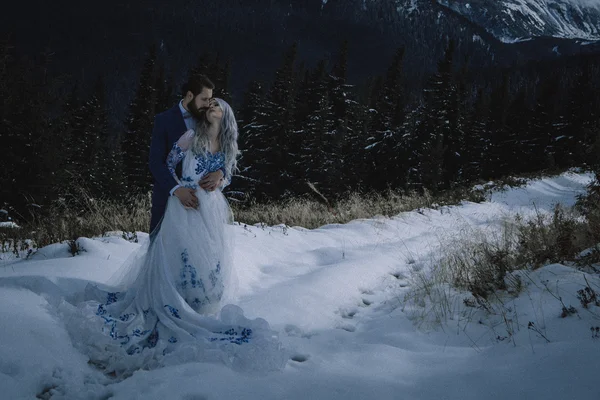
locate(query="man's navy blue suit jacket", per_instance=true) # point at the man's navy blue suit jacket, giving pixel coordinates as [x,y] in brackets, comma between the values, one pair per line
[168,128]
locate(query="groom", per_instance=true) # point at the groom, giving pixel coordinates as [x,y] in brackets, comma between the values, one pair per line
[168,128]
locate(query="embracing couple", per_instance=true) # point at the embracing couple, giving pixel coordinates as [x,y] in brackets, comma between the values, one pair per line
[197,114]
[172,297]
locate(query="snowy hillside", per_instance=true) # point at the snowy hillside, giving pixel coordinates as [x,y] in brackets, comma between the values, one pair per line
[516,20]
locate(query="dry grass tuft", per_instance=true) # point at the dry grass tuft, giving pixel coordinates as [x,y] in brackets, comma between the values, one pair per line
[477,270]
[82,216]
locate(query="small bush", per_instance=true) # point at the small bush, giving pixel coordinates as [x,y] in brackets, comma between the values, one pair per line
[482,264]
[589,206]
[480,267]
[548,239]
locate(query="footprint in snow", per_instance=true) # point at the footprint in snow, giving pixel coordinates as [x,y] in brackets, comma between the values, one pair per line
[398,275]
[401,277]
[347,328]
[299,358]
[348,314]
[366,302]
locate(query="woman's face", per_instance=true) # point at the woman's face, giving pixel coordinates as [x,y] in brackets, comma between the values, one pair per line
[214,112]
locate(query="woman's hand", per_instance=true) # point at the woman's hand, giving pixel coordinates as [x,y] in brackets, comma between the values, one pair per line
[211,181]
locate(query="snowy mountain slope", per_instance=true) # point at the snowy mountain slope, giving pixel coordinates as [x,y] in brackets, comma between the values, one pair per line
[517,20]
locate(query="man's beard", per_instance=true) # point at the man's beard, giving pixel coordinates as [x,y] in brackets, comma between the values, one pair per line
[198,113]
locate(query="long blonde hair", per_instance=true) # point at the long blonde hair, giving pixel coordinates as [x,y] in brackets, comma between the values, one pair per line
[228,136]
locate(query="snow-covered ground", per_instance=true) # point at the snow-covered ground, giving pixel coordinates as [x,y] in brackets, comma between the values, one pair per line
[336,296]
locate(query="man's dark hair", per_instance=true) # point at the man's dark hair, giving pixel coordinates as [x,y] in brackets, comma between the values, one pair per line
[196,83]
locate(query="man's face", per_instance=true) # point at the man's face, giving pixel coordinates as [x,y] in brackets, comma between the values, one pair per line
[202,100]
[199,104]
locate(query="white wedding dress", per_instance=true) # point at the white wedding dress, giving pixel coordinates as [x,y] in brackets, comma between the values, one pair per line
[166,304]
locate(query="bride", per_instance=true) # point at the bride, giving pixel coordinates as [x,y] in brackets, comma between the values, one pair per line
[163,304]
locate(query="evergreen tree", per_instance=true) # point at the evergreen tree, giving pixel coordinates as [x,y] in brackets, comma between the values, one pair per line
[276,173]
[371,124]
[387,152]
[202,67]
[474,154]
[110,180]
[164,91]
[63,128]
[582,116]
[540,139]
[455,135]
[437,128]
[85,133]
[315,162]
[220,74]
[349,139]
[253,144]
[498,151]
[515,145]
[30,150]
[106,175]
[357,171]
[139,122]
[96,131]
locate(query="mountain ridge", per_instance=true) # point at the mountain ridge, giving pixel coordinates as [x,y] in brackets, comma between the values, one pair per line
[518,20]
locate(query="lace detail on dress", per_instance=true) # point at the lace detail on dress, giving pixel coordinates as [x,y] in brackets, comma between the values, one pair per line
[175,156]
[202,163]
[177,153]
[209,162]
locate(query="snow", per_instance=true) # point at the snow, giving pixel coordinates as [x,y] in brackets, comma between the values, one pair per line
[515,20]
[477,38]
[337,298]
[410,8]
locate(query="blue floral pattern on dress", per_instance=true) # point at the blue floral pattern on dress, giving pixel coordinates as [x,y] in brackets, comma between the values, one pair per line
[174,311]
[189,183]
[232,335]
[100,310]
[174,157]
[137,332]
[111,297]
[126,317]
[150,337]
[188,274]
[191,287]
[205,162]
[214,275]
[209,162]
[198,303]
